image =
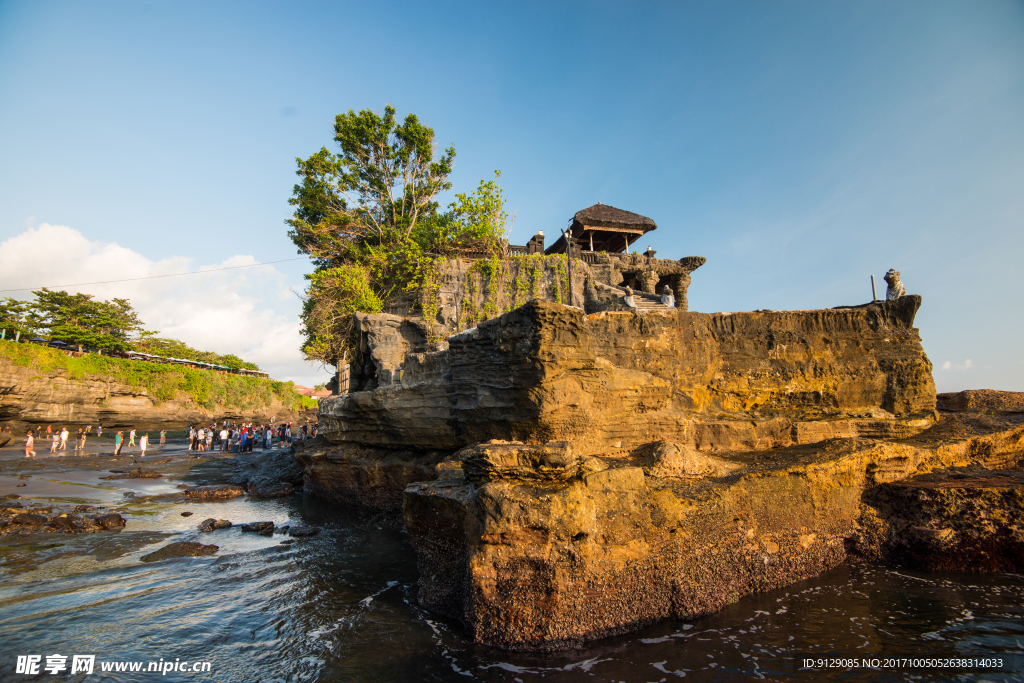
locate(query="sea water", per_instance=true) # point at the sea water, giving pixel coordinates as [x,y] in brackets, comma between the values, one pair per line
[341,606]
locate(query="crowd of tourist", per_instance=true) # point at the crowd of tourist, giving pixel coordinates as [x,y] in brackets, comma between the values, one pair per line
[242,438]
[229,437]
[58,439]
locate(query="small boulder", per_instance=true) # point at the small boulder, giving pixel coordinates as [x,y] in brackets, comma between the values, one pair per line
[211,524]
[64,523]
[674,460]
[137,473]
[111,522]
[187,513]
[511,461]
[301,531]
[221,491]
[261,528]
[180,549]
[28,519]
[264,488]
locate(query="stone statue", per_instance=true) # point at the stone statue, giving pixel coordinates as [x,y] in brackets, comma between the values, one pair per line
[630,301]
[667,297]
[895,289]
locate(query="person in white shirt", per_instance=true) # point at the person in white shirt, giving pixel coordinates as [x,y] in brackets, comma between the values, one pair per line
[64,438]
[143,444]
[224,439]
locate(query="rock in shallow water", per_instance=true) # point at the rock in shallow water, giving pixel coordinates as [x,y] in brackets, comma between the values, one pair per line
[219,491]
[263,488]
[208,525]
[302,531]
[137,473]
[532,548]
[261,528]
[28,519]
[180,549]
[111,522]
[961,519]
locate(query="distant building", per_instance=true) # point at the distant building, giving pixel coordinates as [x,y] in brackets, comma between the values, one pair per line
[311,393]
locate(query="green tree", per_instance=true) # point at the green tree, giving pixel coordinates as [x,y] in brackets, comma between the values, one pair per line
[373,192]
[476,221]
[79,320]
[368,216]
[17,316]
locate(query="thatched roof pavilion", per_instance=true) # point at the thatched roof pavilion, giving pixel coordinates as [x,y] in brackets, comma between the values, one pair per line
[604,228]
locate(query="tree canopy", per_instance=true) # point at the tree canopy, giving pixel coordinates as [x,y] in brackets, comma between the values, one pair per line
[374,192]
[80,320]
[368,216]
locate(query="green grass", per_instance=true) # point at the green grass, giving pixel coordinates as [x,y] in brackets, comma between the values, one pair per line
[161,382]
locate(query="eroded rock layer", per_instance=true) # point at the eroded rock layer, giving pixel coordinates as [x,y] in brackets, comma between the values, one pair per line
[593,549]
[570,476]
[714,382]
[352,474]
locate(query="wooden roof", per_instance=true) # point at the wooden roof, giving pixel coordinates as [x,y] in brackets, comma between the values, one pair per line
[609,229]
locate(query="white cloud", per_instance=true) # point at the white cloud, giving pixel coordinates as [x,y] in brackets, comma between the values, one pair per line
[966,365]
[249,312]
[947,365]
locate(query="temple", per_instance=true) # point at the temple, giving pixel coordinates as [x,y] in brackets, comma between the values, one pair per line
[600,237]
[604,228]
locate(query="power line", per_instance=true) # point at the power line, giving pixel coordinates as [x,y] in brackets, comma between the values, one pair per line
[153,277]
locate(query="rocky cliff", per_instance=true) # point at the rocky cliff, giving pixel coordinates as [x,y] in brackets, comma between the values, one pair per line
[606,381]
[36,387]
[572,476]
[539,548]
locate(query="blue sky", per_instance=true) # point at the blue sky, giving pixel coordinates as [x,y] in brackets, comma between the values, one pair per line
[799,146]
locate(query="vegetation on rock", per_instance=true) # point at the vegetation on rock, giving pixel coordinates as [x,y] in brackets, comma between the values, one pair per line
[369,218]
[205,388]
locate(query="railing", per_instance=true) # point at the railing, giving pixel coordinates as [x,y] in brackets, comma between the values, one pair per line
[475,255]
[511,250]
